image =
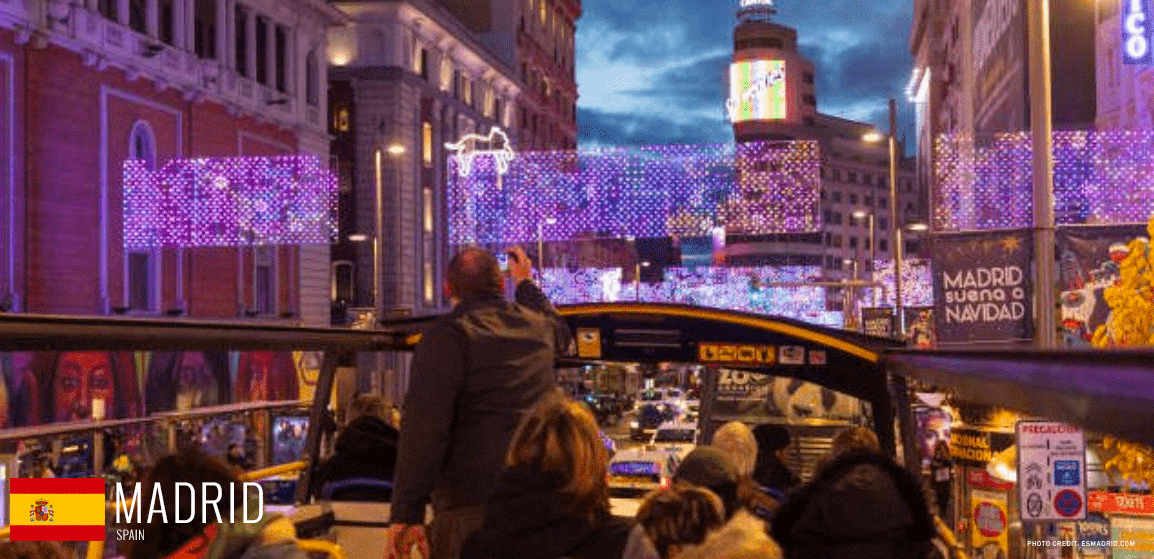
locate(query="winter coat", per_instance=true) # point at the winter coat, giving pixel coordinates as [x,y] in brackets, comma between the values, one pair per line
[273,537]
[743,537]
[365,449]
[861,505]
[527,518]
[773,474]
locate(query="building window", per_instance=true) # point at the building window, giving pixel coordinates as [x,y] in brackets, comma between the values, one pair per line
[167,15]
[807,77]
[427,143]
[312,83]
[240,15]
[428,247]
[869,200]
[342,281]
[205,28]
[261,48]
[281,59]
[853,198]
[837,241]
[137,15]
[108,9]
[264,280]
[423,63]
[142,276]
[853,242]
[837,196]
[883,244]
[883,223]
[446,74]
[809,99]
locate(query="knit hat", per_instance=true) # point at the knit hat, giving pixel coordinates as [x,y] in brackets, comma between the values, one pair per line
[710,468]
[771,437]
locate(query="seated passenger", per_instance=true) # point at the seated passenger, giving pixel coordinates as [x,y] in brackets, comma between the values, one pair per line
[770,470]
[743,537]
[362,467]
[711,469]
[552,499]
[679,517]
[739,444]
[272,537]
[860,504]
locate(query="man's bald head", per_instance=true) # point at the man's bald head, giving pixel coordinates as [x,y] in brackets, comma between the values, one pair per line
[475,274]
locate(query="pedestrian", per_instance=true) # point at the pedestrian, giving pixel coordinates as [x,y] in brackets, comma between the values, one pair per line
[552,499]
[474,373]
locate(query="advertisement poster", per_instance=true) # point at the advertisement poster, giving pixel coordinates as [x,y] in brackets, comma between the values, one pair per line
[1089,261]
[878,321]
[1094,535]
[1128,529]
[920,328]
[757,90]
[989,518]
[982,288]
[999,64]
[933,427]
[743,394]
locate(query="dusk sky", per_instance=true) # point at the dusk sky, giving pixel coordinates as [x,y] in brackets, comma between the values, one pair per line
[655,71]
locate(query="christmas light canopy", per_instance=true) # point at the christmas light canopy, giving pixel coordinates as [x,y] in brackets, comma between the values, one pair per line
[230,201]
[495,145]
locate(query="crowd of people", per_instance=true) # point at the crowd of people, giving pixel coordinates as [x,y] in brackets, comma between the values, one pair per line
[513,469]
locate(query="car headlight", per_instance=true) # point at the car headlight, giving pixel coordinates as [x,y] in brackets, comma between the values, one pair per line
[634,425]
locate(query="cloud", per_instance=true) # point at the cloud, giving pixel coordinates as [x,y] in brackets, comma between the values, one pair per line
[657,69]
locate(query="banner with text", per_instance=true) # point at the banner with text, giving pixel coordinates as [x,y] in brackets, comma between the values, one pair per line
[878,321]
[1089,261]
[982,287]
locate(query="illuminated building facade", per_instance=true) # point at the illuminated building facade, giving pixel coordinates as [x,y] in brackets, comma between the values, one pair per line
[773,96]
[87,85]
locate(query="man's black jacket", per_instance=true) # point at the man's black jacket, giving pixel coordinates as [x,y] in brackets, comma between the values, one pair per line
[474,373]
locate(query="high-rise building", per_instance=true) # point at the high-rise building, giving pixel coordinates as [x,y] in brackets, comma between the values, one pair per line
[88,85]
[773,96]
[409,76]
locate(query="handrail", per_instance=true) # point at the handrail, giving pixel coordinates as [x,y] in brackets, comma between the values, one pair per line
[274,470]
[949,537]
[331,549]
[53,429]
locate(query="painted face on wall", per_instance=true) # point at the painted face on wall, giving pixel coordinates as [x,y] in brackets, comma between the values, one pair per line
[196,384]
[82,376]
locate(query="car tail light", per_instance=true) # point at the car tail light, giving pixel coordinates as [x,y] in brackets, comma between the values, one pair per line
[664,482]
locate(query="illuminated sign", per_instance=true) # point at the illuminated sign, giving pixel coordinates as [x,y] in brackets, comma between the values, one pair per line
[737,353]
[496,145]
[756,90]
[756,3]
[1136,34]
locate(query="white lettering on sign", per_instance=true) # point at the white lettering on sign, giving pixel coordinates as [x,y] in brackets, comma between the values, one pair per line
[749,3]
[1137,43]
[984,295]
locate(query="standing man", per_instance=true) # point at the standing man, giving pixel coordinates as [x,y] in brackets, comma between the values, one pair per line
[474,372]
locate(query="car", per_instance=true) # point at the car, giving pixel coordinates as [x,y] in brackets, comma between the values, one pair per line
[650,416]
[638,471]
[677,439]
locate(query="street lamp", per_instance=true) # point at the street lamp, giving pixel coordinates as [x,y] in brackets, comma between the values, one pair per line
[849,311]
[360,238]
[1041,125]
[873,247]
[541,240]
[875,136]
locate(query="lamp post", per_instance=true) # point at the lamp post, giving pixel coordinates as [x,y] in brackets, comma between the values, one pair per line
[874,136]
[1041,124]
[541,241]
[873,247]
[360,238]
[850,305]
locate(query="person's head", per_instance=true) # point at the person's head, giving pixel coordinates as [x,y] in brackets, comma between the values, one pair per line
[711,469]
[771,440]
[560,438]
[474,274]
[63,386]
[854,439]
[738,443]
[368,404]
[192,466]
[743,537]
[679,516]
[31,550]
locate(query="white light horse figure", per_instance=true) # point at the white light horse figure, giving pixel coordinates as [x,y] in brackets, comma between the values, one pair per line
[496,144]
[757,92]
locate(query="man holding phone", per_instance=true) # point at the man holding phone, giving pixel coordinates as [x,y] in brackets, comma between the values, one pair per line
[474,372]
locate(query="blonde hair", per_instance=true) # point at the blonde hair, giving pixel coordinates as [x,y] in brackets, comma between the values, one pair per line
[854,438]
[680,516]
[738,443]
[742,538]
[560,437]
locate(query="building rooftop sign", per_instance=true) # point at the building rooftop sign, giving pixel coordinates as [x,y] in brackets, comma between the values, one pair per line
[755,10]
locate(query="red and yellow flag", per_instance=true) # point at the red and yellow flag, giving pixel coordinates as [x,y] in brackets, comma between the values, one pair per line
[56,509]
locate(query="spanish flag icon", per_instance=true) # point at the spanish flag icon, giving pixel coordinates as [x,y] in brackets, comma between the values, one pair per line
[59,509]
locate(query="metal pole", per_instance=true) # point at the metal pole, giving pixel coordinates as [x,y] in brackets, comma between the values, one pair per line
[873,257]
[894,223]
[540,245]
[377,178]
[376,274]
[1041,123]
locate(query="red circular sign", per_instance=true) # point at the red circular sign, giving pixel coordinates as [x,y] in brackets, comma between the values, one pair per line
[1068,503]
[989,519]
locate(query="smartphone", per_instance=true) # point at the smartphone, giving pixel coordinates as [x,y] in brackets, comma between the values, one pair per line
[503,261]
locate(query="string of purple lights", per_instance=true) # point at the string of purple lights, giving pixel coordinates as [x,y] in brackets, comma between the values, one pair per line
[230,201]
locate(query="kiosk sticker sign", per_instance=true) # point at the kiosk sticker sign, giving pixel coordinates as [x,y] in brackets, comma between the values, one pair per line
[989,537]
[1051,471]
